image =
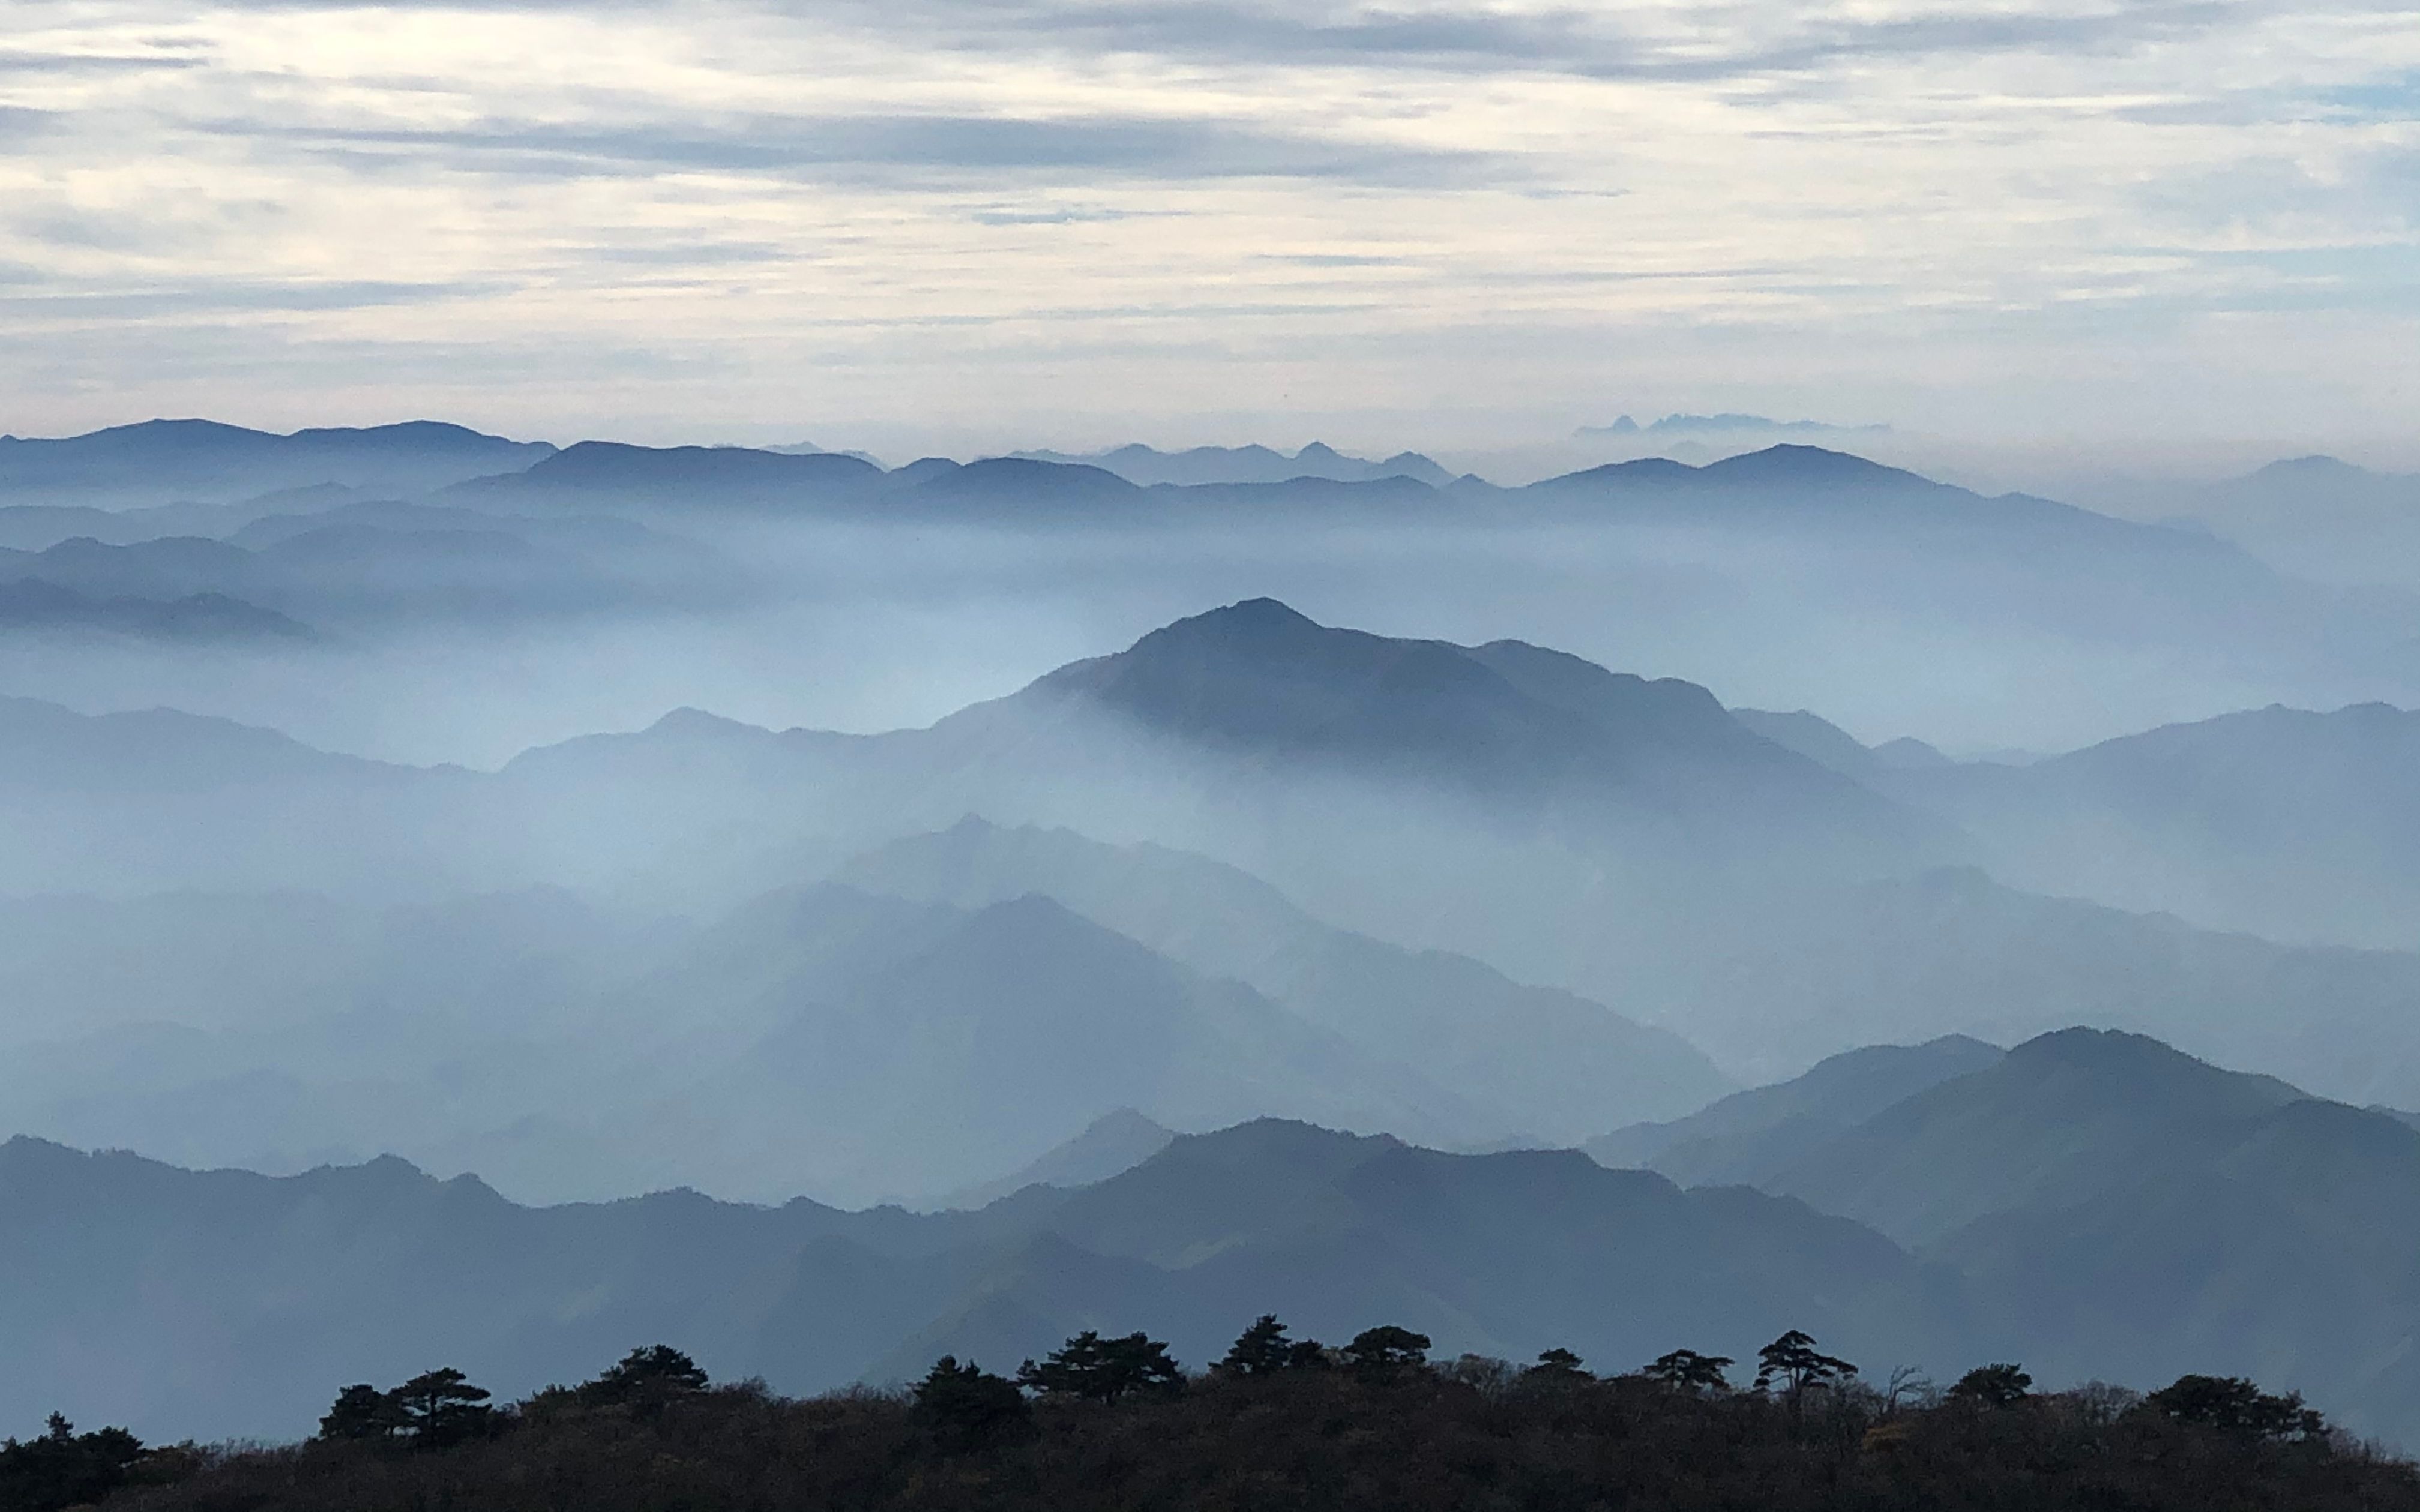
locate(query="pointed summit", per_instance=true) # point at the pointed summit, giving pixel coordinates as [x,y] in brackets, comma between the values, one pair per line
[1507,722]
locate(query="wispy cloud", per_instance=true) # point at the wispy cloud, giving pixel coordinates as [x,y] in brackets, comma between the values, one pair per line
[961,148]
[1017,208]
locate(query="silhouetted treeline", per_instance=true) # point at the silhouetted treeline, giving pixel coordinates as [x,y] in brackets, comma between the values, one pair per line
[1112,1423]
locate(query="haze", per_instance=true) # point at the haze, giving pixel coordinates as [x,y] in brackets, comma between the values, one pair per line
[853,687]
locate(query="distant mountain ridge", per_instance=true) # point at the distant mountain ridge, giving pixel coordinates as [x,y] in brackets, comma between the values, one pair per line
[35,603]
[1144,465]
[327,1274]
[160,459]
[2292,822]
[1539,1062]
[2093,1205]
[2102,1190]
[1748,1137]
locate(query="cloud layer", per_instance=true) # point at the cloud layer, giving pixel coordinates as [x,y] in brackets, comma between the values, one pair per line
[1021,219]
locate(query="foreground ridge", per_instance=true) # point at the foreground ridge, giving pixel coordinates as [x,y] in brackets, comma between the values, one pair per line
[1115,1422]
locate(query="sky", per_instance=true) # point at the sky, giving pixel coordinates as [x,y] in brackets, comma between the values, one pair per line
[949,226]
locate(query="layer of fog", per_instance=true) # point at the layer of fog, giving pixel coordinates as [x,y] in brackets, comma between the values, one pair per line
[862,628]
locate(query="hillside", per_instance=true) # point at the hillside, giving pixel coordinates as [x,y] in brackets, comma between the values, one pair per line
[1748,1137]
[165,461]
[2101,1192]
[1541,1062]
[223,1302]
[2289,822]
[1463,1433]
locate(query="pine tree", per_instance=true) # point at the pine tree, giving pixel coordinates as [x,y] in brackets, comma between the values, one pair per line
[442,1407]
[1092,1369]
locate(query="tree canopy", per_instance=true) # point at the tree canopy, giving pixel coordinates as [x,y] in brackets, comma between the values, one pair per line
[1386,1353]
[2234,1405]
[1793,1363]
[1687,1370]
[966,1406]
[1092,1369]
[1993,1386]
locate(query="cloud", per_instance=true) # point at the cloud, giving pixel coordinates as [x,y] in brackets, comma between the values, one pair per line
[997,205]
[25,62]
[962,148]
[18,124]
[223,296]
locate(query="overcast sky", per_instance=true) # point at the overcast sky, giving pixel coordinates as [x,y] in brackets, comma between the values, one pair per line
[909,222]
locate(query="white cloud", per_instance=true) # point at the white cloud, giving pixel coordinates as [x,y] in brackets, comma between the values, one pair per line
[1459,222]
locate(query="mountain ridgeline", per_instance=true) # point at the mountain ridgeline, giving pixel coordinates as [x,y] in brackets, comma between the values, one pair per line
[394,988]
[2016,1210]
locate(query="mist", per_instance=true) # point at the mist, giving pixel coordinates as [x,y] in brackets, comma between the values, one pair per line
[905,853]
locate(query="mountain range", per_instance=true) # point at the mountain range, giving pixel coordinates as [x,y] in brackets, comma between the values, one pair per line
[2294,823]
[159,461]
[1623,849]
[2106,1196]
[2093,1204]
[1145,466]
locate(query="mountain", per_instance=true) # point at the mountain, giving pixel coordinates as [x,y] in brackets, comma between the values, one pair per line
[674,479]
[43,746]
[1022,483]
[2283,822]
[2095,1205]
[154,800]
[1626,840]
[374,559]
[219,1303]
[2052,1124]
[829,1041]
[30,604]
[1745,1139]
[160,461]
[2106,1197]
[1819,740]
[2318,516]
[167,567]
[1145,466]
[1952,951]
[1115,1142]
[1536,1061]
[1506,721]
[1798,486]
[2105,1190]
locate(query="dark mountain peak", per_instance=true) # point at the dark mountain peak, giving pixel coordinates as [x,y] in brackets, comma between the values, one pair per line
[1259,675]
[1506,723]
[1810,466]
[177,433]
[390,1172]
[1747,1135]
[1319,452]
[2081,1073]
[2107,1049]
[31,1151]
[1266,622]
[1025,480]
[1262,1153]
[1648,472]
[1580,687]
[413,433]
[925,469]
[618,464]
